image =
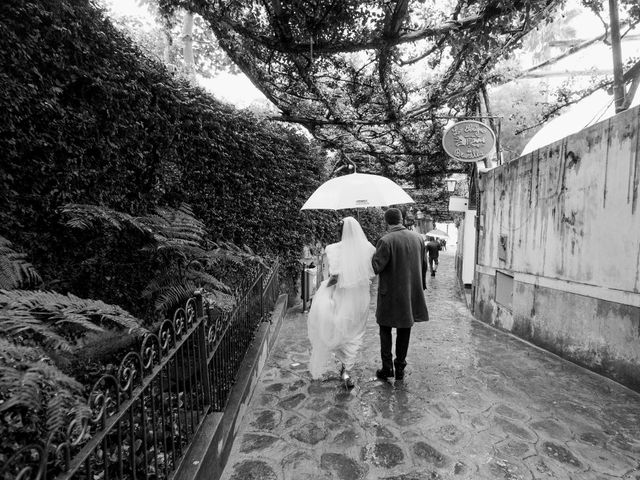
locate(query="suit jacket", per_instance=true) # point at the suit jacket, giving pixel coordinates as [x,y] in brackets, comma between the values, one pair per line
[433,249]
[400,261]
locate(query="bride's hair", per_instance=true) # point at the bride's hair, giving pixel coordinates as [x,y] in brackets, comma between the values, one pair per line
[355,255]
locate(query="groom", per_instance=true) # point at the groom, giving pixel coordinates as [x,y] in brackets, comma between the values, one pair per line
[400,262]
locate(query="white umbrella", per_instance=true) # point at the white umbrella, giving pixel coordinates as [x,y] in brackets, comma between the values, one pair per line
[436,233]
[356,190]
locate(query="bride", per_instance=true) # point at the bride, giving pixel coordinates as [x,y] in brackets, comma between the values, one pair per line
[340,307]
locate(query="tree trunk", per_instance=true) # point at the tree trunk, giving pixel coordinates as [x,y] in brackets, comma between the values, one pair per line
[167,54]
[187,47]
[618,83]
[494,123]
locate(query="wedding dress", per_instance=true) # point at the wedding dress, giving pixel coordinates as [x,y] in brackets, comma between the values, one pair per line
[338,313]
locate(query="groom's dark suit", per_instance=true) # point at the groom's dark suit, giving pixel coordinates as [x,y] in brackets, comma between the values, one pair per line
[400,262]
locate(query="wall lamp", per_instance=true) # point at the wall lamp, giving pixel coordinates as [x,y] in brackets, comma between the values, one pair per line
[451,184]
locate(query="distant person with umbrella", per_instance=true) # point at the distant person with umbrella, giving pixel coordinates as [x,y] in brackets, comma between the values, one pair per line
[400,263]
[433,252]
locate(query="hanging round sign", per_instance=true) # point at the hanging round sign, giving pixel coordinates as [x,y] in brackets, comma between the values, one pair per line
[468,141]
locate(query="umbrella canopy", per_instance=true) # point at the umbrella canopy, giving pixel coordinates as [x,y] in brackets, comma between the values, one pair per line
[356,190]
[436,233]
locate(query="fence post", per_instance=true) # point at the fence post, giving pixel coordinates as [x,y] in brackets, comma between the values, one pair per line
[262,276]
[202,347]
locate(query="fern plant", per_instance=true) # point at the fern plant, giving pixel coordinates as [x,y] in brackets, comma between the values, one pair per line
[37,400]
[39,332]
[15,271]
[57,321]
[186,258]
[31,384]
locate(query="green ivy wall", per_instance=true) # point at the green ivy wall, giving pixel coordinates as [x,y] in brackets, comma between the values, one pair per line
[86,118]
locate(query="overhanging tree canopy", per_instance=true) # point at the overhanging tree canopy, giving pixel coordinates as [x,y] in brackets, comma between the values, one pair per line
[372,78]
[378,79]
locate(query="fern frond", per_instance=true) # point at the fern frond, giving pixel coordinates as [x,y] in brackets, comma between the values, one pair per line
[170,291]
[11,352]
[186,210]
[9,376]
[187,247]
[63,408]
[204,279]
[21,323]
[230,252]
[76,320]
[90,217]
[24,393]
[167,228]
[174,295]
[176,227]
[28,309]
[28,382]
[15,271]
[162,279]
[97,311]
[217,256]
[24,376]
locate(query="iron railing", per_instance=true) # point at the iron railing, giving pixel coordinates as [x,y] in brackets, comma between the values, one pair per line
[145,416]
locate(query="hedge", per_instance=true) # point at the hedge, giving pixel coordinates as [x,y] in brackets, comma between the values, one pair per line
[87,118]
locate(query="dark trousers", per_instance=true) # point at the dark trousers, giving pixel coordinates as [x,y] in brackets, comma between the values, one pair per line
[433,261]
[402,346]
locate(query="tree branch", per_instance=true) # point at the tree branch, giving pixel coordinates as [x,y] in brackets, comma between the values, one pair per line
[329,48]
[424,55]
[550,113]
[570,51]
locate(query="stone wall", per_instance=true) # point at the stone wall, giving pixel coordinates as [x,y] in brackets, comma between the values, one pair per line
[559,248]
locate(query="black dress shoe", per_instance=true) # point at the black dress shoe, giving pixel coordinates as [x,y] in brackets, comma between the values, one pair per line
[384,374]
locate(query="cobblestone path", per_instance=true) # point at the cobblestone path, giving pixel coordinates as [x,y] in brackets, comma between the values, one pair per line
[476,403]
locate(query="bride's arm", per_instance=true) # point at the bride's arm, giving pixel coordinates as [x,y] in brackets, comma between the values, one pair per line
[333,261]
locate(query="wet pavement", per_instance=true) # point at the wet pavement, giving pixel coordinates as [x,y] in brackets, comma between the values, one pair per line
[476,403]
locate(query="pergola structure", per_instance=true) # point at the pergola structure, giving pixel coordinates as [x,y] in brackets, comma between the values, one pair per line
[375,80]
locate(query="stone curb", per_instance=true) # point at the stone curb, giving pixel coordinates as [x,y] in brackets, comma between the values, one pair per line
[209,451]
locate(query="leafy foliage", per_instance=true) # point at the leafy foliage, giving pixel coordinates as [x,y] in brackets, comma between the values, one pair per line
[59,321]
[520,105]
[88,119]
[36,398]
[162,39]
[39,333]
[353,72]
[15,271]
[379,79]
[177,244]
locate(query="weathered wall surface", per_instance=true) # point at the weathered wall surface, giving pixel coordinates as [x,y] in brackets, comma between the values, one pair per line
[559,248]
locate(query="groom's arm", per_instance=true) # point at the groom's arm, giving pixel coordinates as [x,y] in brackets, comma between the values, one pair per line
[381,257]
[425,265]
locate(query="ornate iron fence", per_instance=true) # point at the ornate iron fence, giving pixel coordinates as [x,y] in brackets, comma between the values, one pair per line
[145,416]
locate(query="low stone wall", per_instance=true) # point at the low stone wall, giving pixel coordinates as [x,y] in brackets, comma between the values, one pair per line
[599,334]
[559,248]
[208,453]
